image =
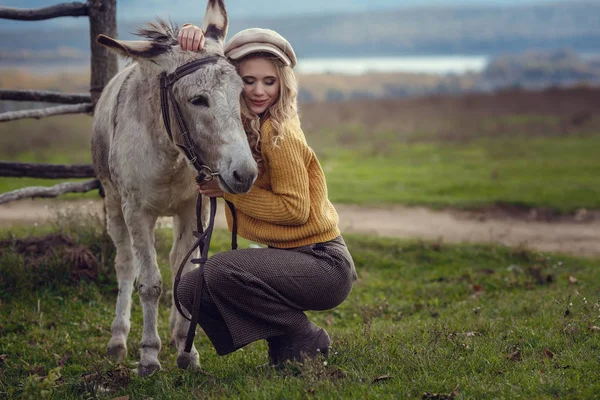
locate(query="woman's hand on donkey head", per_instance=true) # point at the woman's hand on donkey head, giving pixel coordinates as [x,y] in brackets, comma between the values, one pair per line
[210,188]
[191,38]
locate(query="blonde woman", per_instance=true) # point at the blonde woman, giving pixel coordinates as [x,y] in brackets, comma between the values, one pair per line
[255,294]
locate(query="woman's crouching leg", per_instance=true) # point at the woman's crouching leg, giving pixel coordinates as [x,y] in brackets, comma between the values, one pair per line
[238,307]
[257,294]
[209,318]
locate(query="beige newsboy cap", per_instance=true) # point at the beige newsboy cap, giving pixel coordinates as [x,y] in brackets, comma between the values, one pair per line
[258,40]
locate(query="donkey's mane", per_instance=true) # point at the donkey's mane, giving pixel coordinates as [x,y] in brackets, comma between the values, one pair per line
[160,31]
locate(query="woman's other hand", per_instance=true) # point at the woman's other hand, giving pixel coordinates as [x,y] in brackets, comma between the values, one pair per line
[210,188]
[191,38]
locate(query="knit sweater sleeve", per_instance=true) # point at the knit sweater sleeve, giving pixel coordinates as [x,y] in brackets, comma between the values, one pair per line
[288,201]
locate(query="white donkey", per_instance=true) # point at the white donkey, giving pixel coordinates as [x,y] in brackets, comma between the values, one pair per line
[145,174]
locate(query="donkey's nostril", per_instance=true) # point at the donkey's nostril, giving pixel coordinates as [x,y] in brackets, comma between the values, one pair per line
[237,176]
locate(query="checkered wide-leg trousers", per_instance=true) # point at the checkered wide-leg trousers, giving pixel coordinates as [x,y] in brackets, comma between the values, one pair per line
[254,294]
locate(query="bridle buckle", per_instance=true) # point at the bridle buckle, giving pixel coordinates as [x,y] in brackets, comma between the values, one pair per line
[207,173]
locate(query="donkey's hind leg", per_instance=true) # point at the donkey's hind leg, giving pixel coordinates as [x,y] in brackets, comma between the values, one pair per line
[184,223]
[117,229]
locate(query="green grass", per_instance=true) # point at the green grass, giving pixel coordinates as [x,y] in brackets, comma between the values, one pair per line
[524,160]
[468,321]
[55,140]
[561,174]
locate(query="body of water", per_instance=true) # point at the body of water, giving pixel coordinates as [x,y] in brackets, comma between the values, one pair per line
[439,65]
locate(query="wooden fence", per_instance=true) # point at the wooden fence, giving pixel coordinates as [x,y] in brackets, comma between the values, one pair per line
[102,15]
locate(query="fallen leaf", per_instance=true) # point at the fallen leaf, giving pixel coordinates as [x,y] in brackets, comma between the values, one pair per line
[477,292]
[486,271]
[121,398]
[572,280]
[441,396]
[330,319]
[581,215]
[595,329]
[515,268]
[562,366]
[381,379]
[335,373]
[472,334]
[548,353]
[536,274]
[62,360]
[436,396]
[90,378]
[515,356]
[571,330]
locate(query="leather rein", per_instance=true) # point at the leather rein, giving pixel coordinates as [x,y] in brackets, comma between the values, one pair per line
[205,173]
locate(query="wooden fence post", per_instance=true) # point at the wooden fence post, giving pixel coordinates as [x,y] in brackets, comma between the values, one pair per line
[103,19]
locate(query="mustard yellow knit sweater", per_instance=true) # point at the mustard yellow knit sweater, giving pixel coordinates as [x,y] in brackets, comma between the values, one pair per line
[288,205]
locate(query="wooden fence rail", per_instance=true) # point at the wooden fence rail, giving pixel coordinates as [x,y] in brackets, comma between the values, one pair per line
[46,171]
[103,19]
[37,14]
[45,96]
[52,191]
[46,112]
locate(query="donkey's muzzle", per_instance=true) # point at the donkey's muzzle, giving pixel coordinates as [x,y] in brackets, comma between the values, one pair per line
[240,179]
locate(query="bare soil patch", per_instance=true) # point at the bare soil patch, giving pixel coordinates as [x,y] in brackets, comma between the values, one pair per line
[576,234]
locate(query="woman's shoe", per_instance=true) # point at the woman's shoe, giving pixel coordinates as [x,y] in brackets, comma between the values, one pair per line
[306,343]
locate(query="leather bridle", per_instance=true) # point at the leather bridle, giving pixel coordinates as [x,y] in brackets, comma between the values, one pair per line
[205,173]
[166,95]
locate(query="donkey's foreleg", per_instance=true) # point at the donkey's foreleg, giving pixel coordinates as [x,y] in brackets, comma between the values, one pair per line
[115,224]
[184,223]
[141,229]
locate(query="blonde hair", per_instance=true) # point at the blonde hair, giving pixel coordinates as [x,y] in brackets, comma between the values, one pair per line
[284,108]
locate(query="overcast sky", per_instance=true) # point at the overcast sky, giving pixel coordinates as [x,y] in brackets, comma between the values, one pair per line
[181,11]
[136,9]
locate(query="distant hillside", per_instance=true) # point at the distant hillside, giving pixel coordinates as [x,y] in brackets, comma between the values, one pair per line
[535,69]
[531,70]
[415,31]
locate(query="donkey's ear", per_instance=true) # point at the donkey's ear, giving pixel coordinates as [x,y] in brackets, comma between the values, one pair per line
[134,48]
[216,22]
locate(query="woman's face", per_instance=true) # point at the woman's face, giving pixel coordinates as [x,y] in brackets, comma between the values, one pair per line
[261,84]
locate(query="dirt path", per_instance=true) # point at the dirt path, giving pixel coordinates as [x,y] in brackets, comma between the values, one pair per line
[578,236]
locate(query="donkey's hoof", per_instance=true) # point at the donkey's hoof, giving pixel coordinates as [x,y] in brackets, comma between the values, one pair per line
[117,353]
[188,361]
[147,370]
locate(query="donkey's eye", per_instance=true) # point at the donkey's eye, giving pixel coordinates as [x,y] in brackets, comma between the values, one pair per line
[201,101]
